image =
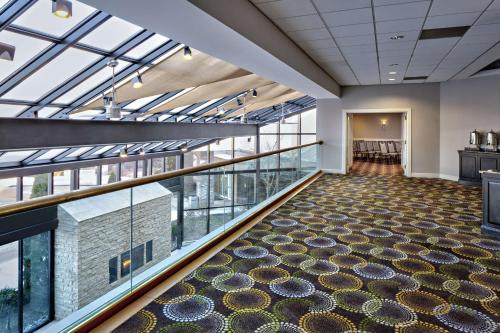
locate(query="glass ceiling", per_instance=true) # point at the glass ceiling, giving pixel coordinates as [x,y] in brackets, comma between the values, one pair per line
[60,66]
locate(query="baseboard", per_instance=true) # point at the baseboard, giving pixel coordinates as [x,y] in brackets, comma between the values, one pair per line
[338,171]
[434,175]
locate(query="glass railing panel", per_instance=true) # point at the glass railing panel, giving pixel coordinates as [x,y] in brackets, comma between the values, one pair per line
[308,160]
[288,168]
[9,287]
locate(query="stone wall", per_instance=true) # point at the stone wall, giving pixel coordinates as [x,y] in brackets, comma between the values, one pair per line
[84,246]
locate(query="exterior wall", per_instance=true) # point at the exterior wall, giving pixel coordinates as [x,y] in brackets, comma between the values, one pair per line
[368,126]
[83,250]
[466,105]
[329,129]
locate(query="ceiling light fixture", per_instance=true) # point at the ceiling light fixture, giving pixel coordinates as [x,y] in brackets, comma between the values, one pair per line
[142,151]
[220,111]
[184,147]
[113,111]
[392,79]
[238,100]
[62,8]
[124,152]
[397,37]
[137,81]
[254,93]
[7,51]
[282,118]
[187,53]
[393,73]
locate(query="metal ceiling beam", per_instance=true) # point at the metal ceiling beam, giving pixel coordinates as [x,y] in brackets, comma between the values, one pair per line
[11,13]
[51,133]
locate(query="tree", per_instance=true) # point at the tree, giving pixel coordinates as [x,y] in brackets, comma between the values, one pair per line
[112,177]
[8,303]
[40,186]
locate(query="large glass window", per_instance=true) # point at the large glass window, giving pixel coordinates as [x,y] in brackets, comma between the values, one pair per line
[9,308]
[268,142]
[170,163]
[8,188]
[62,181]
[109,174]
[308,121]
[88,177]
[110,34]
[128,170]
[157,166]
[221,150]
[196,157]
[35,186]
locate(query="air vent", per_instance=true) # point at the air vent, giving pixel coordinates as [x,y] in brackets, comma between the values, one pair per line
[494,65]
[444,32]
[491,69]
[412,78]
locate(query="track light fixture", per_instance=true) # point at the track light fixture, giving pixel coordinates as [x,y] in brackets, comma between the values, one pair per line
[142,151]
[7,51]
[187,53]
[137,81]
[238,100]
[124,152]
[254,93]
[243,119]
[184,147]
[62,8]
[249,139]
[220,111]
[113,111]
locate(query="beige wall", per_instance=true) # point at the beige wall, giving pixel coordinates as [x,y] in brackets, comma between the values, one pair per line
[369,126]
[423,99]
[466,105]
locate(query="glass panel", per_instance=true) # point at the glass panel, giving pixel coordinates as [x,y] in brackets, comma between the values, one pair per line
[244,146]
[62,181]
[196,157]
[195,225]
[10,111]
[221,150]
[269,128]
[90,83]
[288,168]
[128,170]
[109,174]
[35,186]
[139,103]
[36,281]
[267,177]
[111,34]
[308,121]
[291,125]
[140,168]
[221,187]
[84,115]
[245,188]
[9,287]
[102,150]
[157,165]
[52,74]
[147,46]
[8,191]
[288,141]
[16,156]
[170,163]
[268,143]
[79,151]
[38,17]
[51,154]
[88,177]
[305,139]
[26,49]
[47,112]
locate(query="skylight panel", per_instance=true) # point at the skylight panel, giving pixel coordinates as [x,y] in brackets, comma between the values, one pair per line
[26,49]
[16,156]
[79,151]
[39,17]
[204,105]
[51,154]
[52,74]
[139,103]
[110,34]
[46,112]
[10,111]
[88,114]
[147,46]
[102,150]
[90,83]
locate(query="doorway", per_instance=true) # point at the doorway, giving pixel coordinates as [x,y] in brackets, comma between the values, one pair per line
[377,141]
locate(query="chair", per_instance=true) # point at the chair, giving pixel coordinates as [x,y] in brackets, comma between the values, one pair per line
[393,155]
[371,149]
[363,150]
[384,153]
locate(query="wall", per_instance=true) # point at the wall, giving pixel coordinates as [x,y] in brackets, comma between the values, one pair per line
[466,105]
[368,126]
[423,99]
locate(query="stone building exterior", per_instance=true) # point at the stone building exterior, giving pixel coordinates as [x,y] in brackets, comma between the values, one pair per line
[94,234]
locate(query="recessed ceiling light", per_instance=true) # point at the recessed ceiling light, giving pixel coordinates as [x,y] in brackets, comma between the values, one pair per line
[393,73]
[392,79]
[396,37]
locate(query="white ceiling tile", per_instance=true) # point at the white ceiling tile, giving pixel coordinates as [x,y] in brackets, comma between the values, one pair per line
[318,44]
[310,34]
[489,17]
[495,5]
[401,11]
[300,23]
[336,5]
[347,17]
[332,51]
[392,2]
[442,7]
[352,30]
[486,29]
[479,39]
[395,46]
[397,52]
[452,20]
[355,40]
[358,48]
[287,8]
[400,25]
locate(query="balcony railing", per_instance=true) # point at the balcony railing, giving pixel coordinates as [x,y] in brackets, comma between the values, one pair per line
[67,257]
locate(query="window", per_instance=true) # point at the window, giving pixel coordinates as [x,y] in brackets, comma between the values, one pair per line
[113,269]
[135,263]
[109,174]
[157,166]
[35,186]
[170,163]
[88,177]
[62,181]
[7,110]
[125,264]
[8,188]
[308,122]
[149,251]
[196,157]
[147,46]
[110,34]
[127,170]
[221,150]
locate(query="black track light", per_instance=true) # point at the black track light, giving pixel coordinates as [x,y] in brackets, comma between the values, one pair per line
[254,93]
[187,53]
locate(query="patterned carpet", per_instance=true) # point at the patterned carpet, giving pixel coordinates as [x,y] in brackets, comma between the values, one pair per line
[348,254]
[366,167]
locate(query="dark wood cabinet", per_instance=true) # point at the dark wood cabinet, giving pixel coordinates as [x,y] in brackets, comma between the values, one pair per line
[472,162]
[491,203]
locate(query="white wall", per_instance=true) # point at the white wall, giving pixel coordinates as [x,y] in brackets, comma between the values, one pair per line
[329,129]
[369,126]
[466,105]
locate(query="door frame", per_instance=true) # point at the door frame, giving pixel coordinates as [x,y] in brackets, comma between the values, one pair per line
[406,111]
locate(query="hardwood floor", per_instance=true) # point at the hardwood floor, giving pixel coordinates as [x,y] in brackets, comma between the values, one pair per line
[366,167]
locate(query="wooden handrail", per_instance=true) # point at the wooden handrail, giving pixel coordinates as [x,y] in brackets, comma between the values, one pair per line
[52,200]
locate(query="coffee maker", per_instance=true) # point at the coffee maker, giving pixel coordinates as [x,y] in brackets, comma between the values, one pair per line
[491,141]
[474,141]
